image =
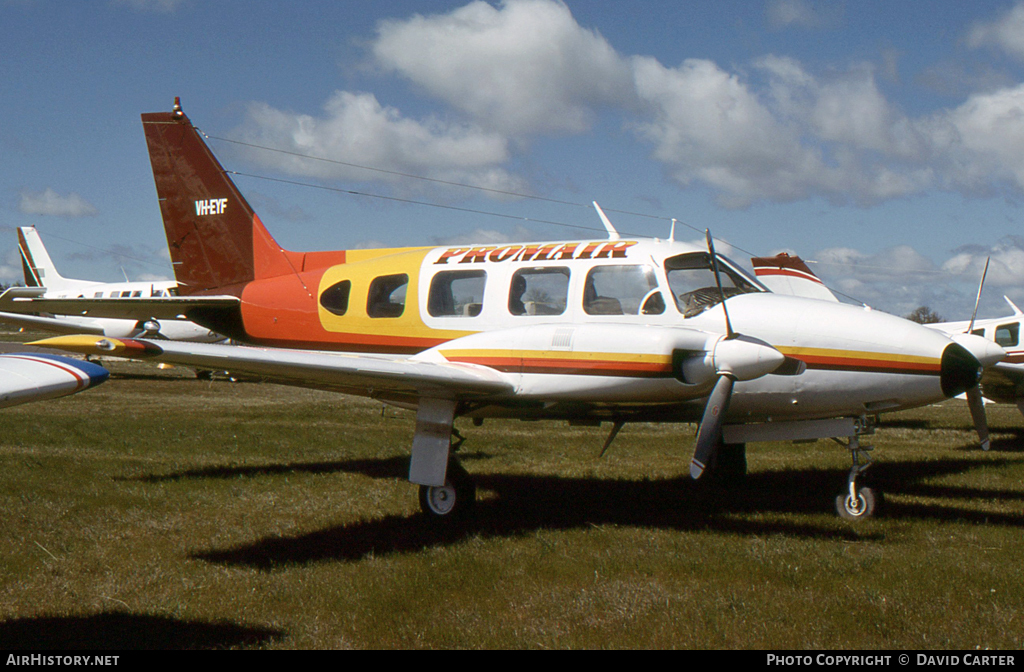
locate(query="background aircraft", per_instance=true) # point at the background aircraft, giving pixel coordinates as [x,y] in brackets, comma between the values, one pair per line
[30,376]
[587,331]
[43,280]
[1002,382]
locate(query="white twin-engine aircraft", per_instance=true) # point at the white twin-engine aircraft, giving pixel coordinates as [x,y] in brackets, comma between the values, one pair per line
[43,280]
[587,331]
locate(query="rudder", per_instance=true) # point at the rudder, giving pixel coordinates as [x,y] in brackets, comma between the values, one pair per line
[216,240]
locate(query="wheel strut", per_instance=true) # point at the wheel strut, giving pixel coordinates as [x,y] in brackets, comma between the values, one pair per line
[859,502]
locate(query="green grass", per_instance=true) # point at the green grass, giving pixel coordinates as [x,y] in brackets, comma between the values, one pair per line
[161,511]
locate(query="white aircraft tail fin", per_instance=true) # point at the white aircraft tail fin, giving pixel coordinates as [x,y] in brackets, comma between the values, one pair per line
[36,263]
[38,267]
[784,274]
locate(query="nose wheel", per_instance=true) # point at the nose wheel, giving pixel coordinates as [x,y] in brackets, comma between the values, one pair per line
[859,502]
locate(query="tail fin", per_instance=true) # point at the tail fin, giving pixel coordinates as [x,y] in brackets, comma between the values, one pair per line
[37,265]
[216,241]
[784,274]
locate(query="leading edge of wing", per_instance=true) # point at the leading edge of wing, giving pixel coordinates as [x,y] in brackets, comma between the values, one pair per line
[305,368]
[69,325]
[133,308]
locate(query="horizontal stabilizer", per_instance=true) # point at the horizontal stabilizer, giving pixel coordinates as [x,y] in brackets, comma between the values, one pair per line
[134,308]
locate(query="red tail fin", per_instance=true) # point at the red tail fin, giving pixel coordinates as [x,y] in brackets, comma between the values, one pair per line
[215,239]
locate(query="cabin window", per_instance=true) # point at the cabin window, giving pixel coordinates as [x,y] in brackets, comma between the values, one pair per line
[693,285]
[125,294]
[539,291]
[387,296]
[335,298]
[1008,335]
[457,293]
[137,292]
[619,290]
[98,295]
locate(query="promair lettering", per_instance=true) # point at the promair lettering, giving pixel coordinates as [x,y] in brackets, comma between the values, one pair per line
[535,252]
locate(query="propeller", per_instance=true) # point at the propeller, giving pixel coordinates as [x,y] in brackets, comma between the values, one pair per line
[977,406]
[718,281]
[709,434]
[732,357]
[977,301]
[974,399]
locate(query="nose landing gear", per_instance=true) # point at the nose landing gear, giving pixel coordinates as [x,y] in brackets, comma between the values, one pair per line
[859,502]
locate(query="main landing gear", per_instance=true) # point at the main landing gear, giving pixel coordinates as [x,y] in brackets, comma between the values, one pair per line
[452,501]
[859,502]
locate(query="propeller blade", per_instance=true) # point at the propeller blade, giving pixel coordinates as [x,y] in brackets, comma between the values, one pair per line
[729,333]
[981,286]
[709,434]
[977,405]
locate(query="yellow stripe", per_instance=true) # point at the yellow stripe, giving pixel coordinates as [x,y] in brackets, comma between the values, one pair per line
[857,354]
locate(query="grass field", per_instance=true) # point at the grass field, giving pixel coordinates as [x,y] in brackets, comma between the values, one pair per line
[159,511]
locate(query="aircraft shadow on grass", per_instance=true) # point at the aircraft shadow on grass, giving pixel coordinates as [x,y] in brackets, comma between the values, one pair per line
[119,631]
[513,505]
[1005,438]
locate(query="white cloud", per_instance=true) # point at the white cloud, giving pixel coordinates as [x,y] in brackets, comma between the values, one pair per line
[164,6]
[798,137]
[771,131]
[50,203]
[896,280]
[356,129]
[1006,268]
[800,14]
[522,68]
[1005,33]
[984,138]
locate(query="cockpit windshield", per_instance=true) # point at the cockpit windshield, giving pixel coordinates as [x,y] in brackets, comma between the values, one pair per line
[693,285]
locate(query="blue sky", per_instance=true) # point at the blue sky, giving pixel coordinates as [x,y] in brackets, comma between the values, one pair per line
[882,140]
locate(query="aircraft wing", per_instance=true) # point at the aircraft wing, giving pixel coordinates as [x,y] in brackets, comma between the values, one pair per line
[30,376]
[367,375]
[17,300]
[71,326]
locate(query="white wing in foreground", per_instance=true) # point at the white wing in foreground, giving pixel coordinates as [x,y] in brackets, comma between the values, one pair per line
[28,376]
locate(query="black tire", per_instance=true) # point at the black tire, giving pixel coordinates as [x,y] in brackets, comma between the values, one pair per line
[868,503]
[451,502]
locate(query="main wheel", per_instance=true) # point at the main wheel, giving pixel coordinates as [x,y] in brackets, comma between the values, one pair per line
[451,501]
[864,506]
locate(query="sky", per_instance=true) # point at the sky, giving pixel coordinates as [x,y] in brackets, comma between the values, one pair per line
[881,141]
